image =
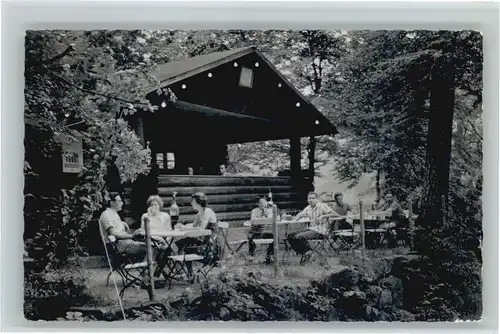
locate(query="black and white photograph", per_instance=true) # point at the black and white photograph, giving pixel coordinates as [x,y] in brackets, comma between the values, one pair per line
[253,175]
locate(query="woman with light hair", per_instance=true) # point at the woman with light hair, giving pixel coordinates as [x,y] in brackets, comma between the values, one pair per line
[159,221]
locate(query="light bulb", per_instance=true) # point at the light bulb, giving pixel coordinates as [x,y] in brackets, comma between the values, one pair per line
[163,104]
[279,85]
[297,104]
[257,64]
[183,86]
[317,122]
[235,64]
[210,75]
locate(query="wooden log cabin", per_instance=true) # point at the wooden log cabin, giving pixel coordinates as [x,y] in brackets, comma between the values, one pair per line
[228,97]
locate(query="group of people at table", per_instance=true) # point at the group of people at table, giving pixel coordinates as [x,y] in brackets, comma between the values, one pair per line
[316,214]
[133,244]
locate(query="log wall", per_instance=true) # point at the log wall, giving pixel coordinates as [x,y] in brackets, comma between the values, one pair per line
[231,197]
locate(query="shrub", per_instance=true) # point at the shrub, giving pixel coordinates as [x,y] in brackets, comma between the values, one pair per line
[48,295]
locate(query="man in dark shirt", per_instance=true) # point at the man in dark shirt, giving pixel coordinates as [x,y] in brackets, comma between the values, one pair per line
[339,206]
[391,207]
[342,209]
[397,217]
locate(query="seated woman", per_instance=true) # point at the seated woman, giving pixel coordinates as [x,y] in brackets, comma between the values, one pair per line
[205,218]
[159,222]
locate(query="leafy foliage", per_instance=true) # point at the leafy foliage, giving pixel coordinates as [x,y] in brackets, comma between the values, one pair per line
[48,295]
[330,299]
[80,85]
[388,109]
[385,102]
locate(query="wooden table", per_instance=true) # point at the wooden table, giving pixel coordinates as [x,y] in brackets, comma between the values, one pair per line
[185,233]
[279,222]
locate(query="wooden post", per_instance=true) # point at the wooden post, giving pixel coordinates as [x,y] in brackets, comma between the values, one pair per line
[295,166]
[411,229]
[362,223]
[275,238]
[149,257]
[140,129]
[312,157]
[295,157]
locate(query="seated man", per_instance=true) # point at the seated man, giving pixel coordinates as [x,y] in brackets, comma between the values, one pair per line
[390,207]
[316,212]
[256,231]
[396,214]
[111,224]
[342,209]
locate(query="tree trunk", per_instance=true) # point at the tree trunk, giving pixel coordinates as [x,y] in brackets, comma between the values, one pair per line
[377,183]
[439,136]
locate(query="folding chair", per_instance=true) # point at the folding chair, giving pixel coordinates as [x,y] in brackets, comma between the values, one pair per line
[265,241]
[321,244]
[131,273]
[233,246]
[296,228]
[346,239]
[204,259]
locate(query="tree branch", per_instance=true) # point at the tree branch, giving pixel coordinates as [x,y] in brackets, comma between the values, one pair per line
[474,129]
[66,52]
[91,91]
[73,124]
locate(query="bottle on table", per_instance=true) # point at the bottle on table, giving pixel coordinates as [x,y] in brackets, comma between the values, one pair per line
[174,210]
[270,204]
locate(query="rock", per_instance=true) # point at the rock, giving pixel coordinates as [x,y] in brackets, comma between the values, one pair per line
[404,316]
[395,286]
[352,302]
[355,294]
[383,316]
[367,276]
[373,294]
[401,264]
[345,278]
[371,313]
[224,313]
[385,300]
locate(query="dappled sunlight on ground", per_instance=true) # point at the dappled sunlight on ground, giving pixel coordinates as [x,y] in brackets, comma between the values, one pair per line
[290,274]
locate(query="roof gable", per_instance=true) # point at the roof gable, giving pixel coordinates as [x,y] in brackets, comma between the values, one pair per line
[172,72]
[175,71]
[209,80]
